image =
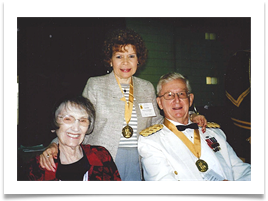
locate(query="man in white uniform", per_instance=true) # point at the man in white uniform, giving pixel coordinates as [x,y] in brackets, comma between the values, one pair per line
[174,152]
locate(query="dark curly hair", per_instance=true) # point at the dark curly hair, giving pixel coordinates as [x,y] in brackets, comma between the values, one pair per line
[118,39]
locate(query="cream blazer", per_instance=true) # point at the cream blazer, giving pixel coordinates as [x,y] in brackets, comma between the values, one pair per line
[105,95]
[165,157]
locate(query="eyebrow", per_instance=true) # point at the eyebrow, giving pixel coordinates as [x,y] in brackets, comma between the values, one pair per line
[176,92]
[124,52]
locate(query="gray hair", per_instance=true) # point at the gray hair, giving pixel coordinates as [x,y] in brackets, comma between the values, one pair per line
[170,77]
[74,101]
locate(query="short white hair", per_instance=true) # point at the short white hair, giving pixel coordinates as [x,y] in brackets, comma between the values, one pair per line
[170,77]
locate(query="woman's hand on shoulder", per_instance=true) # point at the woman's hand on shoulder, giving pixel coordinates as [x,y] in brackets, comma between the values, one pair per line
[200,120]
[47,157]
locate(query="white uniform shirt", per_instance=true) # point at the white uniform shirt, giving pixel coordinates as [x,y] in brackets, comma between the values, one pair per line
[206,152]
[164,157]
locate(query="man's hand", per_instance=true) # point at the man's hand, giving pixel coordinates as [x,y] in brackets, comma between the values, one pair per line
[200,120]
[47,157]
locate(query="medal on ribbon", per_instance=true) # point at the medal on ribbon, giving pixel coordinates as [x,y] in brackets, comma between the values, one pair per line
[195,147]
[127,131]
[201,165]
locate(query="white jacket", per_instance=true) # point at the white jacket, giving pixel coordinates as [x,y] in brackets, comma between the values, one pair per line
[165,157]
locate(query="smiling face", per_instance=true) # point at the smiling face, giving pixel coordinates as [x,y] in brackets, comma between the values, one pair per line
[176,109]
[71,134]
[124,63]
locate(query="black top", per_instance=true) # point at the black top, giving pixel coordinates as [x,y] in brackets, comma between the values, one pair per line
[74,171]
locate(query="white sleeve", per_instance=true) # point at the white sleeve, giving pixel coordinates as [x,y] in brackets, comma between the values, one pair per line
[241,171]
[155,165]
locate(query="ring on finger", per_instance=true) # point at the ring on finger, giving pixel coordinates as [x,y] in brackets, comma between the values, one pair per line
[48,155]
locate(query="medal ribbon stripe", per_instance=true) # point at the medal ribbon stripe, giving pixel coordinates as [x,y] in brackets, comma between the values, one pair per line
[195,147]
[129,103]
[133,140]
[127,131]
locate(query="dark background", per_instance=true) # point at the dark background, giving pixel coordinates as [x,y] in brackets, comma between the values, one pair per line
[55,56]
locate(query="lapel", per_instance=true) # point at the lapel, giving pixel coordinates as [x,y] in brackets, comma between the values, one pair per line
[114,95]
[222,155]
[112,86]
[179,154]
[142,94]
[92,158]
[137,91]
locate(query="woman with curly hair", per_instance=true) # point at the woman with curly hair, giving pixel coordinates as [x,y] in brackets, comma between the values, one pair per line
[125,104]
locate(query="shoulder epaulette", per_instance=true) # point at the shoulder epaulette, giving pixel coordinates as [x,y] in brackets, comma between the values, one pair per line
[151,130]
[212,125]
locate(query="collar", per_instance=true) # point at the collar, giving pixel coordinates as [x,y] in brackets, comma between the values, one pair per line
[93,160]
[177,123]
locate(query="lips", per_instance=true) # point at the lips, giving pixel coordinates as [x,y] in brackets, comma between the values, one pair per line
[73,135]
[125,70]
[177,108]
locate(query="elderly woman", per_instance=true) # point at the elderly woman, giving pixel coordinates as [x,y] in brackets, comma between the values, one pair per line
[74,118]
[124,104]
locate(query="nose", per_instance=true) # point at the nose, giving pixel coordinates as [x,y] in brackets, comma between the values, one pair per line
[125,60]
[177,99]
[76,125]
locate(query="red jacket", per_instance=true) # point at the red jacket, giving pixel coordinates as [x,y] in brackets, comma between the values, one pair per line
[102,166]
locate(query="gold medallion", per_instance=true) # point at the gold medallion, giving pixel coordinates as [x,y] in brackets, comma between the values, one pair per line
[127,131]
[201,165]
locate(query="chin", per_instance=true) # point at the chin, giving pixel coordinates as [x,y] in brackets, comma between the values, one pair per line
[127,75]
[72,144]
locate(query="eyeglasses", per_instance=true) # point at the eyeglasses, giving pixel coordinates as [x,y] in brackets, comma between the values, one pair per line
[171,95]
[69,119]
